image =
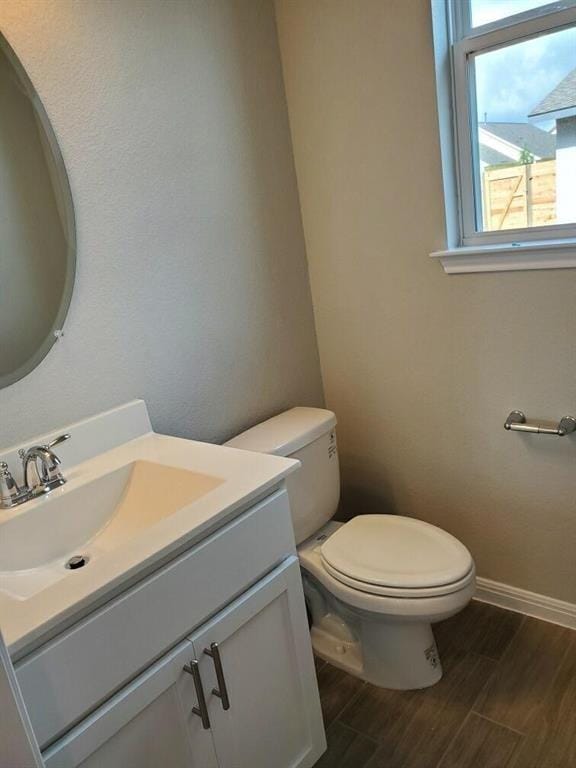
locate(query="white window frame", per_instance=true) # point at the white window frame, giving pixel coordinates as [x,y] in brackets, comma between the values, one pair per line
[456,44]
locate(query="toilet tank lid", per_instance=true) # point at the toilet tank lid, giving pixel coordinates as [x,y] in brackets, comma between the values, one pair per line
[286,433]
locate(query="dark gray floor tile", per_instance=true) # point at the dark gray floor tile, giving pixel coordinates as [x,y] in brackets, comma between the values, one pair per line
[507,700]
[481,744]
[551,734]
[346,748]
[337,690]
[414,728]
[480,628]
[516,693]
[318,663]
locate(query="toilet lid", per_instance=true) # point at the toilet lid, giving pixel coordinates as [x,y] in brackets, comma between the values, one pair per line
[394,551]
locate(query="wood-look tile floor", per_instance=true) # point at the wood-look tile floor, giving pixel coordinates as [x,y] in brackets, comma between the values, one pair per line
[507,700]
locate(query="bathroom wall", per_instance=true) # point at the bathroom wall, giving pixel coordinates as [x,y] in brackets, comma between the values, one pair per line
[192,288]
[422,368]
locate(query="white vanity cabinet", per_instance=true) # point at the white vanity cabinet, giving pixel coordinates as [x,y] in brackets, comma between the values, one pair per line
[272,720]
[151,717]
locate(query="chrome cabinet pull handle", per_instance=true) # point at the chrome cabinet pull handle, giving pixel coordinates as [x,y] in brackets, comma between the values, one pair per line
[221,691]
[201,710]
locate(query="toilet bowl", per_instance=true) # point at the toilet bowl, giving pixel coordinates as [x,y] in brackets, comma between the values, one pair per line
[374,585]
[379,632]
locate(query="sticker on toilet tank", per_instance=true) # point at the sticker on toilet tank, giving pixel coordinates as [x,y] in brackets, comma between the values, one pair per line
[431,654]
[332,449]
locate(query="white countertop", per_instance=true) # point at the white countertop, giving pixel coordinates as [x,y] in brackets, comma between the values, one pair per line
[246,476]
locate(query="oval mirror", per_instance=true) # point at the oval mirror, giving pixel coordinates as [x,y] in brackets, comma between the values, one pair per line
[37,232]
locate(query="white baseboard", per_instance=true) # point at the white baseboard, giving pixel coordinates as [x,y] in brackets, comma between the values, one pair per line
[528,603]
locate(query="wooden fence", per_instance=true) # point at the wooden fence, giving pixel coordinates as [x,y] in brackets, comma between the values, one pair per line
[519,195]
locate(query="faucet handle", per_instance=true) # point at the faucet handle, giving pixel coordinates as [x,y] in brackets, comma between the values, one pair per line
[9,490]
[58,440]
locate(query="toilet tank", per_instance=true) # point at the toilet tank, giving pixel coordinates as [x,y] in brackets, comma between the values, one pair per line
[309,435]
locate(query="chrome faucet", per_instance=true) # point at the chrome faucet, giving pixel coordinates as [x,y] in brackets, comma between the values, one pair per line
[43,462]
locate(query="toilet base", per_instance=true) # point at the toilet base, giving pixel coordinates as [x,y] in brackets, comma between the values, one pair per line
[346,655]
[400,655]
[397,655]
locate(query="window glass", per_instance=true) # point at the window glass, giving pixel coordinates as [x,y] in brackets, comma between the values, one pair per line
[486,11]
[524,132]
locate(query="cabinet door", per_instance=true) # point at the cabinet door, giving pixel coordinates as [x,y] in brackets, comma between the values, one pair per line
[263,644]
[148,724]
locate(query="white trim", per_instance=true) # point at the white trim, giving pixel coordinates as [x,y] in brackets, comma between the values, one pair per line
[444,71]
[550,233]
[516,18]
[509,257]
[464,106]
[500,35]
[528,603]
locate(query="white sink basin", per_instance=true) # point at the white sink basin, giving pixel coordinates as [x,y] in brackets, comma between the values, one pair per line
[99,516]
[133,500]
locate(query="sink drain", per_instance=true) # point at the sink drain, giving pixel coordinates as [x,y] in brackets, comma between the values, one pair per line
[78,561]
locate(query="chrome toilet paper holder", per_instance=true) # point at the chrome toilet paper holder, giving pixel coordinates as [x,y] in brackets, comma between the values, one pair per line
[516,422]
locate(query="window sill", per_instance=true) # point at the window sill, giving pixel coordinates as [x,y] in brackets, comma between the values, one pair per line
[505,257]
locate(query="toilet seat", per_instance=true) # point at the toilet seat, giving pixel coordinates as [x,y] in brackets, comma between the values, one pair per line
[396,556]
[414,607]
[406,592]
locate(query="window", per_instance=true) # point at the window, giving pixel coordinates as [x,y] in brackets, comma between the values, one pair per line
[513,128]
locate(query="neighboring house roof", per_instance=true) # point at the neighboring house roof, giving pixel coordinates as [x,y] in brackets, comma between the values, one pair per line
[509,139]
[492,156]
[561,99]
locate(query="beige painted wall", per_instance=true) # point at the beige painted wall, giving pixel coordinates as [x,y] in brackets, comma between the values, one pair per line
[192,287]
[423,368]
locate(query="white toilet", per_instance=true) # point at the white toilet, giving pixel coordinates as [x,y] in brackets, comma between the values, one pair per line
[374,585]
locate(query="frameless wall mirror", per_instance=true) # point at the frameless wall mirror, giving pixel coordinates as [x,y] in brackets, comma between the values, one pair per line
[37,232]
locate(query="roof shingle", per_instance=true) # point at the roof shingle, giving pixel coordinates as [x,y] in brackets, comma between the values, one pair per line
[562,97]
[524,136]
